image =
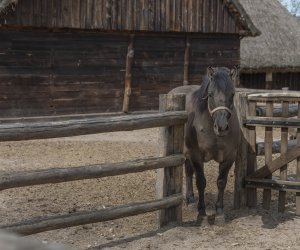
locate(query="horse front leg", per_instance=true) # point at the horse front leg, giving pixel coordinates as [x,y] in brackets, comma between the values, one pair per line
[201,184]
[189,171]
[224,168]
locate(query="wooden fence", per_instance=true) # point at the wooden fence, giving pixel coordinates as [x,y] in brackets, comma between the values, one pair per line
[248,176]
[169,178]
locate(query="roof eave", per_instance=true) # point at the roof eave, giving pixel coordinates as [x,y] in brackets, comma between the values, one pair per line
[247,26]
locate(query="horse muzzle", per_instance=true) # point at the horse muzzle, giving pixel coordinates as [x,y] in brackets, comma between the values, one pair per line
[221,126]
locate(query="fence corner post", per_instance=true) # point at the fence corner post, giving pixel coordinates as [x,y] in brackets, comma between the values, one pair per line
[240,170]
[169,180]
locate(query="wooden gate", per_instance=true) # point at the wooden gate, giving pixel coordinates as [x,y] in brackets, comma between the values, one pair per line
[248,176]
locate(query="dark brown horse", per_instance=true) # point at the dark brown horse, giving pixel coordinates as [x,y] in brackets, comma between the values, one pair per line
[211,132]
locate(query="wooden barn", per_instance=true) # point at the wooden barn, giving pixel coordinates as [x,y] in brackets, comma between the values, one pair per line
[88,56]
[271,60]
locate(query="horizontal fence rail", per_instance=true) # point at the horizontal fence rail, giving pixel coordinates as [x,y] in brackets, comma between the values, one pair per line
[272,121]
[87,217]
[57,175]
[171,119]
[22,130]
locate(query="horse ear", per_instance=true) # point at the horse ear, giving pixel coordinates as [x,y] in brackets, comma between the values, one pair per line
[234,73]
[210,71]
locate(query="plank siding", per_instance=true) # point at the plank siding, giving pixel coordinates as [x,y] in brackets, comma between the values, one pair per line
[52,73]
[280,80]
[119,15]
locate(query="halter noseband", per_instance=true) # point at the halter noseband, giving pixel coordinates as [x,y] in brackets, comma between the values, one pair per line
[218,108]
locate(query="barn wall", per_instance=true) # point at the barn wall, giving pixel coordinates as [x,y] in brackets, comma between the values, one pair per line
[280,80]
[209,16]
[48,73]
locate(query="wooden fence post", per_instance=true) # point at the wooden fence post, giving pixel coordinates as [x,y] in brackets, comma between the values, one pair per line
[241,157]
[169,180]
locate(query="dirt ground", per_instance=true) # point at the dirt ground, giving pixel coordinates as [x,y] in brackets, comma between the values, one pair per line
[244,229]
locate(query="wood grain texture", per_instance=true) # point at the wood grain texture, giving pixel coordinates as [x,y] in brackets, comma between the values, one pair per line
[251,158]
[116,15]
[268,154]
[56,73]
[169,180]
[87,217]
[58,175]
[283,150]
[82,126]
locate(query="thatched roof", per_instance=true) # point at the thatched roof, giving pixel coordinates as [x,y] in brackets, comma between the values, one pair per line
[278,47]
[6,4]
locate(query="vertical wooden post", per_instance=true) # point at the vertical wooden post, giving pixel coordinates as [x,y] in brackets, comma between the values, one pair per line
[269,80]
[251,157]
[186,62]
[268,154]
[128,74]
[241,104]
[169,180]
[298,167]
[283,150]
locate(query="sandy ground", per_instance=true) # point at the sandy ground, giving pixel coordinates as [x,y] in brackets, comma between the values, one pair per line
[244,229]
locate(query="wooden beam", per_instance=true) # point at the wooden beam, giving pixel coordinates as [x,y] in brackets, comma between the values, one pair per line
[289,96]
[47,129]
[186,62]
[128,74]
[169,180]
[291,186]
[268,154]
[251,157]
[283,150]
[269,80]
[87,217]
[272,121]
[298,166]
[276,164]
[57,175]
[240,171]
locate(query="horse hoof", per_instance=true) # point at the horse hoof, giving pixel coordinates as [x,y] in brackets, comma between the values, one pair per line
[190,199]
[220,220]
[202,220]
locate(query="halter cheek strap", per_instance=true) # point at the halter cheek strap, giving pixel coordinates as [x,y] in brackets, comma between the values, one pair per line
[219,108]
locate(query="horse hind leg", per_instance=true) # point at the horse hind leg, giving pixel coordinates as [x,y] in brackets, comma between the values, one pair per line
[189,171]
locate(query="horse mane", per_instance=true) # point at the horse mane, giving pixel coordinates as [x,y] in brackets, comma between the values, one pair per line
[199,97]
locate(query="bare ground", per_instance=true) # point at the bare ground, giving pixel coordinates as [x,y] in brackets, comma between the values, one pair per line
[244,229]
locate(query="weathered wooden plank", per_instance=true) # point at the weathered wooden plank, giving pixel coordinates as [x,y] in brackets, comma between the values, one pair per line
[186,62]
[288,96]
[240,171]
[87,217]
[251,157]
[283,186]
[268,154]
[276,164]
[169,180]
[58,175]
[42,130]
[128,74]
[283,150]
[272,121]
[298,167]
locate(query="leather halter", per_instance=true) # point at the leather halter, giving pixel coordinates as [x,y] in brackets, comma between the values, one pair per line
[218,108]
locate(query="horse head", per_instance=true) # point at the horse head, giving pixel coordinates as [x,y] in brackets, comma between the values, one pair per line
[220,97]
